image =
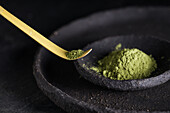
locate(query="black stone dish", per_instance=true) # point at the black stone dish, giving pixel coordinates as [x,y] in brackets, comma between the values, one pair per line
[60,81]
[159,49]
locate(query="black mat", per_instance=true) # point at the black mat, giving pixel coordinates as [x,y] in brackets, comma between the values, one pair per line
[68,84]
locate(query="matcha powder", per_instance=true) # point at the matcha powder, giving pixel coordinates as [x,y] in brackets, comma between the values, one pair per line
[126,64]
[74,54]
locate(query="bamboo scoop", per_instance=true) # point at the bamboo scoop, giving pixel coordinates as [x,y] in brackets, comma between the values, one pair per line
[37,36]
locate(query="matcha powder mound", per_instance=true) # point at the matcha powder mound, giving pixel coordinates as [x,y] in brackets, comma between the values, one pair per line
[74,54]
[126,64]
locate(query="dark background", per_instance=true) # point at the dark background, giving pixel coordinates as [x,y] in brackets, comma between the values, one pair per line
[19,92]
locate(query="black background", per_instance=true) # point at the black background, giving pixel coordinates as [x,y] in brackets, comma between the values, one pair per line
[19,92]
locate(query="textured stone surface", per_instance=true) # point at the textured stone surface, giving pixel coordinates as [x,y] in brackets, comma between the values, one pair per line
[61,82]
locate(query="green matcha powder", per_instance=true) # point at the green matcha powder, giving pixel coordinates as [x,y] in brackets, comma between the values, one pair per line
[74,54]
[126,64]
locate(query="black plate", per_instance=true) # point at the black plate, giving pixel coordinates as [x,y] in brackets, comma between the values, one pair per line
[60,81]
[159,49]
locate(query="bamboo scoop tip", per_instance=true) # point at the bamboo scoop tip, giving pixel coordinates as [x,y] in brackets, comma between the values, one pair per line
[83,55]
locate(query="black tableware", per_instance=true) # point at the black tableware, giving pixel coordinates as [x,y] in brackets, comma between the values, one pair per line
[159,49]
[60,81]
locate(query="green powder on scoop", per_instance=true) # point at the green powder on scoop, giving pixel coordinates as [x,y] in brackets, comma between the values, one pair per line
[74,54]
[126,64]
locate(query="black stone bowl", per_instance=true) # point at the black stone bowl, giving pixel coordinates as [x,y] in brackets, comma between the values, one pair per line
[159,49]
[59,80]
